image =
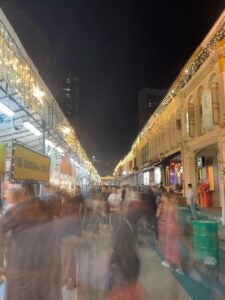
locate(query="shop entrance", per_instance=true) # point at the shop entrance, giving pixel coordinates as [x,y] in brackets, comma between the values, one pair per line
[173,171]
[207,174]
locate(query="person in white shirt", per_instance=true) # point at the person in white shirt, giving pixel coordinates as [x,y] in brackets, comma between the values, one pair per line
[115,200]
[115,203]
[191,202]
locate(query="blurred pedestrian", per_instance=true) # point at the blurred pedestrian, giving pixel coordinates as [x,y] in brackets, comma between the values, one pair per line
[123,196]
[161,187]
[51,198]
[191,204]
[79,200]
[115,208]
[103,210]
[33,268]
[152,206]
[70,230]
[12,198]
[169,234]
[121,279]
[105,194]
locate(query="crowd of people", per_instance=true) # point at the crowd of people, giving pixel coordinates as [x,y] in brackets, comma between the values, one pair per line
[39,241]
[40,236]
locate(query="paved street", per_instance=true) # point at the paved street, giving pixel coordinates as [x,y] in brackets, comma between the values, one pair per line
[158,282]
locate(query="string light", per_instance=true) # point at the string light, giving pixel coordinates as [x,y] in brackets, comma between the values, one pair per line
[19,72]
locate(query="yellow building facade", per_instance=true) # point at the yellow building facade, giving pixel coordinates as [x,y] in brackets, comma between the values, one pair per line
[184,140]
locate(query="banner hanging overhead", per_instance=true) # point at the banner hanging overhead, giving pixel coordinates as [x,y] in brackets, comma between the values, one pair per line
[2,159]
[29,164]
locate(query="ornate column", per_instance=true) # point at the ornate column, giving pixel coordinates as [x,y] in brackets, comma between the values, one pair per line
[221,138]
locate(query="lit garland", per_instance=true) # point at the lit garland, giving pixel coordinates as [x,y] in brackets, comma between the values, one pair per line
[190,71]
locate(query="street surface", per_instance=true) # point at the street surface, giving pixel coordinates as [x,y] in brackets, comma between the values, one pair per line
[158,282]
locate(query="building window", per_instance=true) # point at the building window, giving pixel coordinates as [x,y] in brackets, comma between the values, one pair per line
[144,154]
[207,117]
[186,125]
[215,101]
[198,114]
[191,119]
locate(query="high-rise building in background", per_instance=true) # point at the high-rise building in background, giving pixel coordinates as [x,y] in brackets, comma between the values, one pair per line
[68,97]
[148,101]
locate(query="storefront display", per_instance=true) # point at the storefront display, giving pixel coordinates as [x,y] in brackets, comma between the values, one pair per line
[205,194]
[173,171]
[176,171]
[206,180]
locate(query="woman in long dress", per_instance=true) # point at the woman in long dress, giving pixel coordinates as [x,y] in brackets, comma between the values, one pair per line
[169,233]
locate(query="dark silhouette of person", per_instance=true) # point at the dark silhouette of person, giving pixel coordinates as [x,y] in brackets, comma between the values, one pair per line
[33,265]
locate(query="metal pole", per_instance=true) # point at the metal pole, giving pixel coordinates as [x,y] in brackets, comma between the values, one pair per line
[43,145]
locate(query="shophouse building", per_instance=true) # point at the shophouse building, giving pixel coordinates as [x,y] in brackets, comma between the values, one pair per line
[184,140]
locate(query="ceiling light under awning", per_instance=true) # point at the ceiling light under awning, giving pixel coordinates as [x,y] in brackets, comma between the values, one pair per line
[7,111]
[60,150]
[33,129]
[49,143]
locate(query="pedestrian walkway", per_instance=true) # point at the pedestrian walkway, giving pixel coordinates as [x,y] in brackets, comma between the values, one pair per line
[204,283]
[158,282]
[95,255]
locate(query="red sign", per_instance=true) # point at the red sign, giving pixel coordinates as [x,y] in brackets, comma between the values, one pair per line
[66,166]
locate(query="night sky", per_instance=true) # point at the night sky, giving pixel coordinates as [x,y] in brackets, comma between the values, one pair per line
[115,48]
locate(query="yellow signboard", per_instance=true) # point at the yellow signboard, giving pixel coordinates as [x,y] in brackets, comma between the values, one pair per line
[2,158]
[29,164]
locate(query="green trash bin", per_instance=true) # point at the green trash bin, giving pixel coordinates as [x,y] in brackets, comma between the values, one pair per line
[205,239]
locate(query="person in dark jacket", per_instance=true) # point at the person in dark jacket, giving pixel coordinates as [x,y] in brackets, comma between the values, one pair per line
[33,268]
[51,198]
[70,231]
[151,200]
[79,200]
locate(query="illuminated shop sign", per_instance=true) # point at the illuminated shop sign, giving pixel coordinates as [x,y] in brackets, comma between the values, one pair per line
[29,164]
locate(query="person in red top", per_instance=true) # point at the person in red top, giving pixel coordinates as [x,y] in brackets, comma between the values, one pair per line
[131,291]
